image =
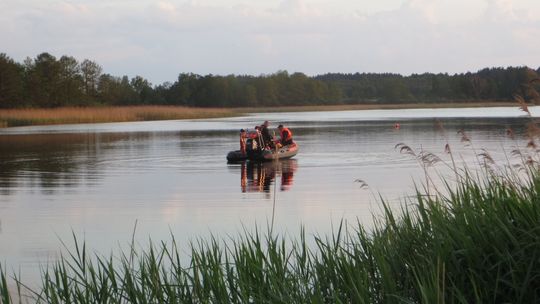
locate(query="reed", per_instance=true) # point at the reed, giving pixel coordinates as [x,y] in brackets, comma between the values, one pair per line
[479,242]
[69,115]
[73,115]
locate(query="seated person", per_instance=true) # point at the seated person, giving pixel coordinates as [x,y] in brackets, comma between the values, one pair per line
[286,135]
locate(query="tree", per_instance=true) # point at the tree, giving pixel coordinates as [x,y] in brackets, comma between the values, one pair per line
[48,82]
[143,88]
[116,91]
[90,76]
[42,80]
[267,91]
[11,82]
[182,92]
[71,82]
[479,86]
[532,86]
[395,90]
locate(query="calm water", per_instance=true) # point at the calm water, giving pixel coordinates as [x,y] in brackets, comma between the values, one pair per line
[172,177]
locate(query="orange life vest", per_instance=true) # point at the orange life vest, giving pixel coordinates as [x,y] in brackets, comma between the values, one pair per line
[242,145]
[286,134]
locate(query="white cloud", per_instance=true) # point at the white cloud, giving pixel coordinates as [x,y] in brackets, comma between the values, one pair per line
[448,11]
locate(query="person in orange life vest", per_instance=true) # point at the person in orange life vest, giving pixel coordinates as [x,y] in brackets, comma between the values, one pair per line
[243,137]
[286,135]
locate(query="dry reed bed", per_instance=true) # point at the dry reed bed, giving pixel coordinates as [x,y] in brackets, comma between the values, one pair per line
[68,115]
[71,115]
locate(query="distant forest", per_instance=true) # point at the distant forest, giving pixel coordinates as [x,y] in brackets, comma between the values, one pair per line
[47,81]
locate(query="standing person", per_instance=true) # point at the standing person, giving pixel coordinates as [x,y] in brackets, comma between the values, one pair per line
[243,138]
[286,135]
[267,138]
[257,140]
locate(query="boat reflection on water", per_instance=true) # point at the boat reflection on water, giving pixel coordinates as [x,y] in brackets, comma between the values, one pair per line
[258,177]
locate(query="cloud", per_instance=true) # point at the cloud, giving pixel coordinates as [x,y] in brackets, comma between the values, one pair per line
[159,39]
[447,11]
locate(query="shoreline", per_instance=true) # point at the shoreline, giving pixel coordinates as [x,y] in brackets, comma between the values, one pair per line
[78,115]
[393,106]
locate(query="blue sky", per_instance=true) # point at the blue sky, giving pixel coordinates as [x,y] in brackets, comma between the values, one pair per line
[159,39]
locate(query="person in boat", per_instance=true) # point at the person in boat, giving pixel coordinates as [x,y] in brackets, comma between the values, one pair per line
[257,139]
[243,139]
[267,138]
[286,136]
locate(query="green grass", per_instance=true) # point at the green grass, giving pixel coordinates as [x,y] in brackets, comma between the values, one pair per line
[478,243]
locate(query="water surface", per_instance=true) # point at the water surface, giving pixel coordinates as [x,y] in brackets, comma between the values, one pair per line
[97,180]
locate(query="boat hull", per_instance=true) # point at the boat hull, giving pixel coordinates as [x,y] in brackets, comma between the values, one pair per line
[236,156]
[281,153]
[266,155]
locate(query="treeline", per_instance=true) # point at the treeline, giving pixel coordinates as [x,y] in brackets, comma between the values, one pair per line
[494,84]
[46,81]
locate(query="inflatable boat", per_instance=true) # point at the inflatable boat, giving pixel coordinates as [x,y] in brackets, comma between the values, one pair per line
[284,152]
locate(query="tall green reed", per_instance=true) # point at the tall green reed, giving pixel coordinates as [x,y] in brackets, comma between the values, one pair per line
[477,242]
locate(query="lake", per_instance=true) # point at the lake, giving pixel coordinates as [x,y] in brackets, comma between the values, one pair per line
[171,177]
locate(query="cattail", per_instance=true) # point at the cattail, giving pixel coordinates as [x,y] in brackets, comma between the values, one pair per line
[533,130]
[439,126]
[404,149]
[464,137]
[363,184]
[522,104]
[447,149]
[510,133]
[486,157]
[516,152]
[429,158]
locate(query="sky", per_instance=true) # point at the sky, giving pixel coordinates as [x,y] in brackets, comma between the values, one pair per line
[160,39]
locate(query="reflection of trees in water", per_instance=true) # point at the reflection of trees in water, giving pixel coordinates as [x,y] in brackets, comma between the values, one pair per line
[46,160]
[258,177]
[50,161]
